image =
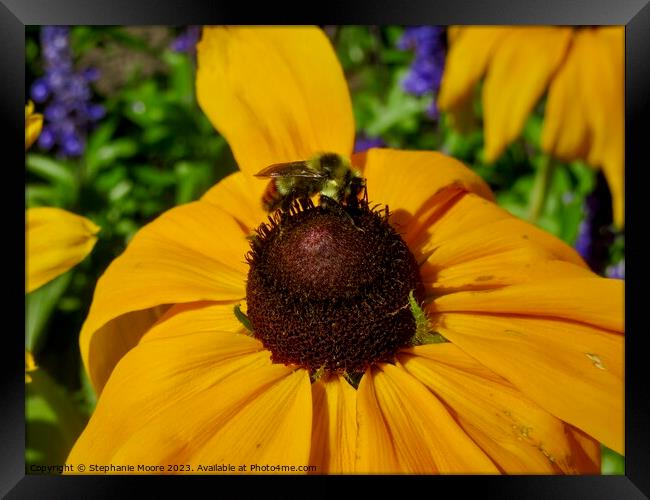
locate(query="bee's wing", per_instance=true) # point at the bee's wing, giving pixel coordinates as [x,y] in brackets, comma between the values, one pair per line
[291,169]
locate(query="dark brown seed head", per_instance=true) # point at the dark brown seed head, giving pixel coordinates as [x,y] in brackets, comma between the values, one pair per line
[328,287]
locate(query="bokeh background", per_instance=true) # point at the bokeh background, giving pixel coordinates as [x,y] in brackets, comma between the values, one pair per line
[124,140]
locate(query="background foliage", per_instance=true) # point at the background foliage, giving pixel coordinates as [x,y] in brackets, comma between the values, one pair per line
[154,149]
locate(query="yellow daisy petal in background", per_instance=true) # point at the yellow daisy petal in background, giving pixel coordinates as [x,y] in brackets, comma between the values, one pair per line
[30,366]
[276,94]
[56,240]
[582,70]
[33,124]
[470,51]
[518,76]
[565,133]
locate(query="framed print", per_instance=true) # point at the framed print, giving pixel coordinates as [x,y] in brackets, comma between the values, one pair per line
[363,244]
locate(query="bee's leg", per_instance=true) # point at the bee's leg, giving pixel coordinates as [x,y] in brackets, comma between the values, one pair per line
[357,186]
[330,203]
[289,199]
[335,206]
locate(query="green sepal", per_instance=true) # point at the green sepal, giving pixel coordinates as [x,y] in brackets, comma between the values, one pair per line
[243,319]
[424,334]
[318,374]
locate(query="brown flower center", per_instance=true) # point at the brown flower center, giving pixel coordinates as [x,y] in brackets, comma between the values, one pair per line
[328,287]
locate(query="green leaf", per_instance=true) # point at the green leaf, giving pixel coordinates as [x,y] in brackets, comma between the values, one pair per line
[110,178]
[193,178]
[107,154]
[37,195]
[39,306]
[153,176]
[533,129]
[51,170]
[611,462]
[181,77]
[53,421]
[400,109]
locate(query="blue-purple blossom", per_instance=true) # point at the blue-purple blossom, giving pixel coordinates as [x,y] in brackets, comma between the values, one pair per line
[187,40]
[595,234]
[616,271]
[363,143]
[69,112]
[425,73]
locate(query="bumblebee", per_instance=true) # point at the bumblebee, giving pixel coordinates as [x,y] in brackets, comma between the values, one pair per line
[327,174]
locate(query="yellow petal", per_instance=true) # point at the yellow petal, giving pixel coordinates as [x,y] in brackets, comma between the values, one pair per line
[602,70]
[584,117]
[206,317]
[190,253]
[166,395]
[518,75]
[417,186]
[33,124]
[399,413]
[470,51]
[586,299]
[334,428]
[572,370]
[517,434]
[56,241]
[376,450]
[586,450]
[273,430]
[276,94]
[240,196]
[111,341]
[467,247]
[30,366]
[565,133]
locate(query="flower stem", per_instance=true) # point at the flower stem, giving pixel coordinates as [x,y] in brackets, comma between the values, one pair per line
[540,188]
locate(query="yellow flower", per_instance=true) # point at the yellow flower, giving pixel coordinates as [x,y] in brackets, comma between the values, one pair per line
[30,366]
[56,241]
[33,124]
[582,68]
[530,378]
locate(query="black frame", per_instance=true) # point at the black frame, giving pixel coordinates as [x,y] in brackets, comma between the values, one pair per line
[634,14]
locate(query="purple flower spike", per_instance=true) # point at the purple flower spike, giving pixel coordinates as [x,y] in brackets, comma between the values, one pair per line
[425,73]
[186,41]
[616,271]
[69,113]
[72,145]
[363,143]
[594,233]
[40,91]
[46,139]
